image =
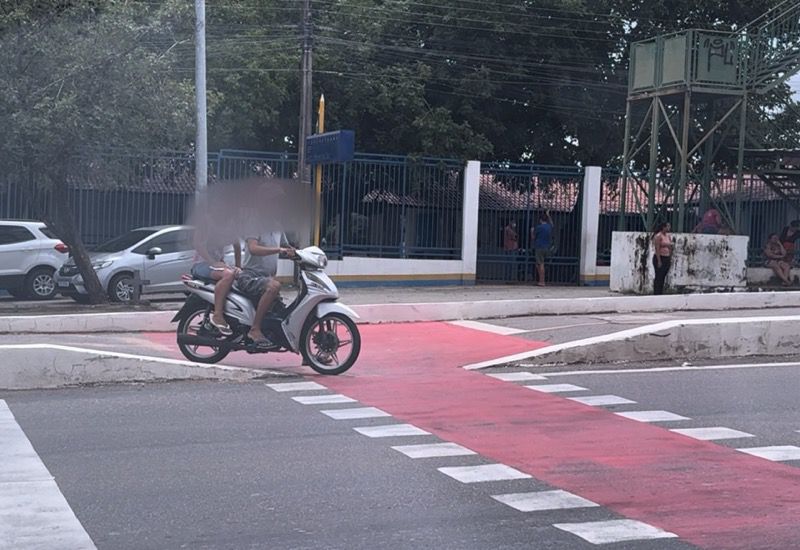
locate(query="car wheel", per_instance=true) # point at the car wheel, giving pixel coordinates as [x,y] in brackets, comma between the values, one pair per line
[40,284]
[120,289]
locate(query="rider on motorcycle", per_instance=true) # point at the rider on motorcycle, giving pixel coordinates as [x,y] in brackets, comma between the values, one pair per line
[209,244]
[257,279]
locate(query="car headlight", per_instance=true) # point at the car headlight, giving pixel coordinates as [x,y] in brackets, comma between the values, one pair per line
[101,264]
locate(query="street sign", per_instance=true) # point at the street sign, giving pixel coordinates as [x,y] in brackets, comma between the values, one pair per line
[330,147]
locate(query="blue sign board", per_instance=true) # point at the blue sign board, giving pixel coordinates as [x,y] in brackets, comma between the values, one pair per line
[330,147]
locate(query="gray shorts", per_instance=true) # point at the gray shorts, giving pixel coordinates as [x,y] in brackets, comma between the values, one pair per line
[252,283]
[541,255]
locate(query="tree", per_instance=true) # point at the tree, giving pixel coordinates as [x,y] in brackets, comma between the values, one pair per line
[82,77]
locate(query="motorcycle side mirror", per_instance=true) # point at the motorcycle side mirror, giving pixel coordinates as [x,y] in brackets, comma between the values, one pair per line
[153,252]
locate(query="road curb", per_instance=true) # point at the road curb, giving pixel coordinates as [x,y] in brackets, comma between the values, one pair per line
[160,321]
[691,339]
[55,366]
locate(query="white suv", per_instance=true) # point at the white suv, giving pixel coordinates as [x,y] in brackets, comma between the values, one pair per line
[29,256]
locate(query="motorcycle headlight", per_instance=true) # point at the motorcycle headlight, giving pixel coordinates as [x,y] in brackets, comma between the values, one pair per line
[322,260]
[101,264]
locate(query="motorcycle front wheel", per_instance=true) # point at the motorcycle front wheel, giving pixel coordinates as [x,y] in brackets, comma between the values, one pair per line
[331,344]
[193,324]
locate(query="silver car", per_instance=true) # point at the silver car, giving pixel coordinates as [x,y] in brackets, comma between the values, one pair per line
[159,255]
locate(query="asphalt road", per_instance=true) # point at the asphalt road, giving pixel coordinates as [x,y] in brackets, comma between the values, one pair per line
[188,465]
[214,465]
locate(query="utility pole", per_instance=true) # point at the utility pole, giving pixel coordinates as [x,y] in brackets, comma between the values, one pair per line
[305,96]
[201,143]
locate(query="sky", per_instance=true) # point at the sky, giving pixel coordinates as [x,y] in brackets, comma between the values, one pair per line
[794,82]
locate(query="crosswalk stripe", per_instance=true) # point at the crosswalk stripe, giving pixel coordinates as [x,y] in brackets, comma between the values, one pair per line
[619,530]
[516,376]
[355,414]
[602,400]
[776,453]
[544,500]
[483,472]
[296,386]
[653,416]
[433,450]
[712,434]
[391,430]
[556,388]
[33,512]
[323,399]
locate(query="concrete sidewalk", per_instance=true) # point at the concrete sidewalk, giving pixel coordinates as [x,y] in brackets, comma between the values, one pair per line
[397,305]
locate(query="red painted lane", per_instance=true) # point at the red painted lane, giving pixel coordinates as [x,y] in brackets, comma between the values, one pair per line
[709,495]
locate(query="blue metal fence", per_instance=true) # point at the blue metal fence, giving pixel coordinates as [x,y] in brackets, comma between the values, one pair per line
[521,193]
[393,207]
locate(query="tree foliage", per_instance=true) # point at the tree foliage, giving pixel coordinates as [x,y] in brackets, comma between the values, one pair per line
[536,80]
[85,76]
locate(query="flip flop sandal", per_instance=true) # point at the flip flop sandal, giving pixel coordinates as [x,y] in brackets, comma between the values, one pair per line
[225,330]
[262,344]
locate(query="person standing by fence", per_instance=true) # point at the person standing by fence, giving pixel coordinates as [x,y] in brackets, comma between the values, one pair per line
[542,237]
[662,258]
[511,249]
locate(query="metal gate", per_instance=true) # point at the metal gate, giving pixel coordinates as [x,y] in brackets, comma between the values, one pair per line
[522,193]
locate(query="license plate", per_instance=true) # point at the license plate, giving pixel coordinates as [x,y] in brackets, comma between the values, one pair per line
[63,283]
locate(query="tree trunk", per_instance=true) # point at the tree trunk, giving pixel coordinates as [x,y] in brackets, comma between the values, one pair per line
[62,219]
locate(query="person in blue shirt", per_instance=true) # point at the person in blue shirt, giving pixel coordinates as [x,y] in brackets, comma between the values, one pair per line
[542,237]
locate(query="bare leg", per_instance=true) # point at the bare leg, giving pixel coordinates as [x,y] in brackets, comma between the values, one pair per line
[787,272]
[221,289]
[540,271]
[270,293]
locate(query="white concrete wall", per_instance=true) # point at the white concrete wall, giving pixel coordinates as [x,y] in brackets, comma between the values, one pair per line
[700,262]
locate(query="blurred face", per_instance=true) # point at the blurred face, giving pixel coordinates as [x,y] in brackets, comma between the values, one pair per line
[667,228]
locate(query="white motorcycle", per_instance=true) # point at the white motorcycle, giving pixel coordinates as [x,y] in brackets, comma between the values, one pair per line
[315,325]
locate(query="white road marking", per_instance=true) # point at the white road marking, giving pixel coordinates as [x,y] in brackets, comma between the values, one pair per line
[712,434]
[355,414]
[323,399]
[544,500]
[516,376]
[653,416]
[658,328]
[486,327]
[556,388]
[434,450]
[777,453]
[33,512]
[119,355]
[601,400]
[484,472]
[296,386]
[619,530]
[689,368]
[391,430]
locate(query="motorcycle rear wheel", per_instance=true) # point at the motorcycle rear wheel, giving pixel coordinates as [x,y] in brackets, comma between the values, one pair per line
[191,325]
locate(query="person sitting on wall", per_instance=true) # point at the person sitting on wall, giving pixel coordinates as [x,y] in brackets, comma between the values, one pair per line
[789,237]
[710,224]
[775,254]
